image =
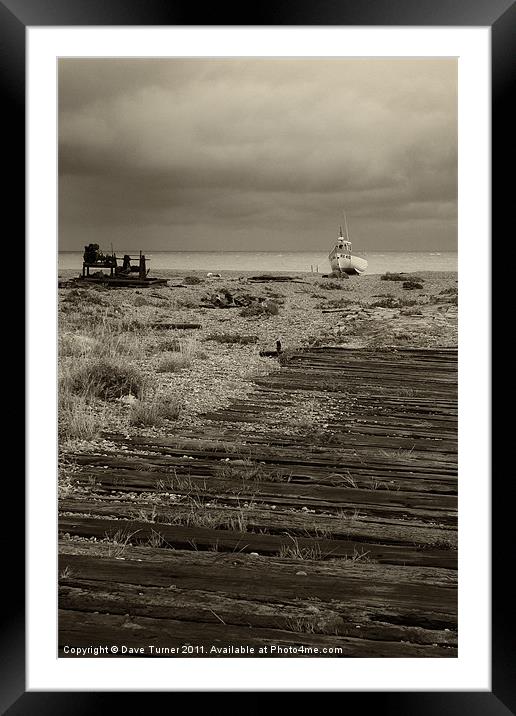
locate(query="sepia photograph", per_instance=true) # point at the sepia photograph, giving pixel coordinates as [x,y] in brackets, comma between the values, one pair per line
[257,357]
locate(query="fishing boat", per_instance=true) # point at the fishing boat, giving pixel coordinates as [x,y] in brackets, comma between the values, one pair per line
[341,259]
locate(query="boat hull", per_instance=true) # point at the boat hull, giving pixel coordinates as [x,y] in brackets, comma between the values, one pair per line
[352,265]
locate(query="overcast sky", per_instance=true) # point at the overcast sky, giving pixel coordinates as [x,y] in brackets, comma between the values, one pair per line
[236,155]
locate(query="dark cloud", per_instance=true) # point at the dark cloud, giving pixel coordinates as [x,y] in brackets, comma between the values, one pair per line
[257,154]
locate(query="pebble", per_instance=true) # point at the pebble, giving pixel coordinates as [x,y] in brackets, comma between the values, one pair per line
[254,554]
[300,574]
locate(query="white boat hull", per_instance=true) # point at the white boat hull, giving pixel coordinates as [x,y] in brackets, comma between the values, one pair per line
[351,265]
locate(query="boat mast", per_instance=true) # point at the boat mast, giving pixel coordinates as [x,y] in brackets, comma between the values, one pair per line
[346,225]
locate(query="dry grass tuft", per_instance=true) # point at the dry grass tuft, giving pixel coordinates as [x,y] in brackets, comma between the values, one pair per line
[172,362]
[295,551]
[180,357]
[331,285]
[154,412]
[399,277]
[105,378]
[78,417]
[260,308]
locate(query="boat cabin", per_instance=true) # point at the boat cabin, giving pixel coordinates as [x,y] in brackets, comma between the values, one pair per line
[342,248]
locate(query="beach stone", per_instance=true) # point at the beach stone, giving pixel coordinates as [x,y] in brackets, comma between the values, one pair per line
[301,574]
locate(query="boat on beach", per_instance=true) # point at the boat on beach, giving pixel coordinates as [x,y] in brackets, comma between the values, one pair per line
[341,258]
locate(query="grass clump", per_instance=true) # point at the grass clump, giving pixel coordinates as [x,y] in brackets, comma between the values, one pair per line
[393,276]
[399,277]
[260,308]
[295,551]
[247,470]
[314,624]
[105,378]
[392,302]
[187,303]
[452,290]
[411,285]
[73,345]
[287,355]
[153,413]
[340,302]
[181,356]
[360,555]
[117,542]
[84,297]
[172,345]
[445,298]
[192,280]
[234,520]
[331,285]
[301,625]
[78,418]
[232,339]
[442,543]
[172,362]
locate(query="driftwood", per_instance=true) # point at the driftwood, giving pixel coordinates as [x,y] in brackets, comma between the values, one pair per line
[160,326]
[119,282]
[265,278]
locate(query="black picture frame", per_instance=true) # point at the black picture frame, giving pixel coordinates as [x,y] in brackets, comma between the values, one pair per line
[500,16]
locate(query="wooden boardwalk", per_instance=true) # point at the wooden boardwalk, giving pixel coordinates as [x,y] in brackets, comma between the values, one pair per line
[319,511]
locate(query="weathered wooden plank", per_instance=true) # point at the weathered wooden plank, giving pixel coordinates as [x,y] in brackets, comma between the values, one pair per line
[367,572]
[236,492]
[419,596]
[389,499]
[164,499]
[256,447]
[320,463]
[205,538]
[377,456]
[80,629]
[292,614]
[216,437]
[266,520]
[414,591]
[395,464]
[343,474]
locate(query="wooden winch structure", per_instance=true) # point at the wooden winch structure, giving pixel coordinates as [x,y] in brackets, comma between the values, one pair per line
[132,270]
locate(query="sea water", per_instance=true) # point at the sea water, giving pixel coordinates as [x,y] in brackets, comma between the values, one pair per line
[258,261]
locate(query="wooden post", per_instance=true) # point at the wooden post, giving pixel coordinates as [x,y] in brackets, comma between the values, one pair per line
[143,271]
